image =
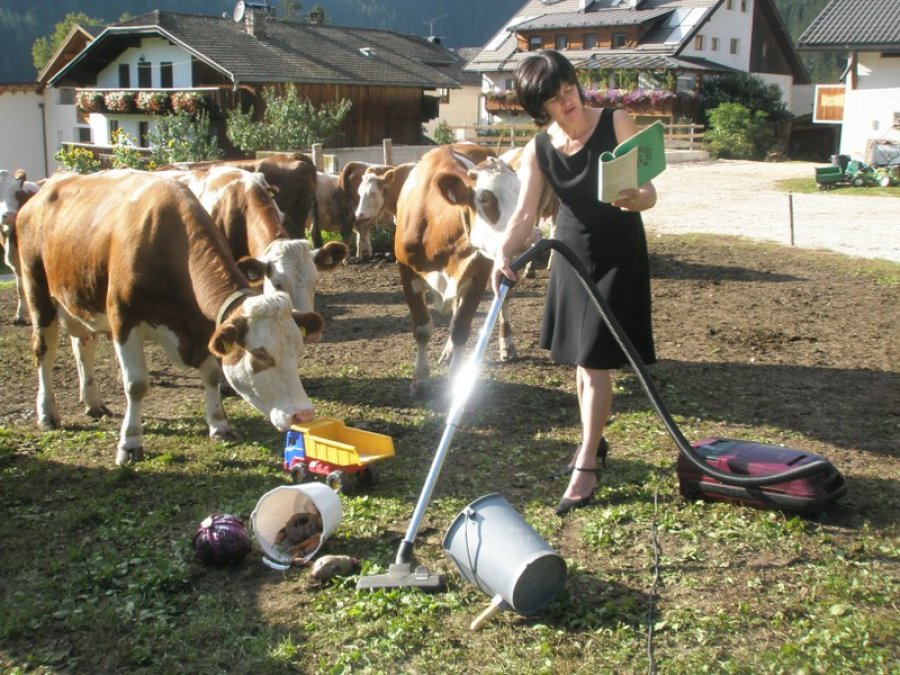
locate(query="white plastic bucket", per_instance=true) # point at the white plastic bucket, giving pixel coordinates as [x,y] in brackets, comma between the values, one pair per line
[276,507]
[495,549]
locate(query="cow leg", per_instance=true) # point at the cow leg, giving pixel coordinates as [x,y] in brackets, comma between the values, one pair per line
[44,345]
[11,259]
[20,319]
[85,350]
[136,382]
[414,289]
[215,411]
[507,346]
[461,323]
[364,241]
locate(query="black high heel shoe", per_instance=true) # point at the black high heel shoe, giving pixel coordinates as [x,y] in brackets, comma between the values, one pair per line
[566,504]
[602,452]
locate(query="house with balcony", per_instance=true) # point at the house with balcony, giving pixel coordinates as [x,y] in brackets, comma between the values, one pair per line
[131,72]
[866,104]
[649,56]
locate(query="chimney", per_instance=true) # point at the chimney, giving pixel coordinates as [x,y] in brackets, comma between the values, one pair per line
[583,4]
[255,23]
[317,17]
[633,4]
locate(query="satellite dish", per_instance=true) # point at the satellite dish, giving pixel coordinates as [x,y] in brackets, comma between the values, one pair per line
[239,9]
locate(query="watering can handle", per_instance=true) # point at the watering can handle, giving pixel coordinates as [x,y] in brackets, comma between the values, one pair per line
[497,604]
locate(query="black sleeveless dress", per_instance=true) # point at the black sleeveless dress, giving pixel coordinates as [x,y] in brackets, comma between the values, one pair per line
[612,245]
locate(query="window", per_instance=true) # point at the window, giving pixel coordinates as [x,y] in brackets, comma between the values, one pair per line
[735,43]
[113,128]
[83,134]
[698,43]
[145,75]
[124,76]
[165,75]
[729,4]
[590,41]
[765,49]
[66,96]
[743,5]
[714,44]
[618,40]
[534,43]
[509,83]
[143,132]
[686,82]
[562,41]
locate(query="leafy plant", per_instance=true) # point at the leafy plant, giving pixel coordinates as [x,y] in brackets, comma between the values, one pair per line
[77,159]
[737,132]
[124,151]
[443,134]
[182,137]
[750,91]
[287,123]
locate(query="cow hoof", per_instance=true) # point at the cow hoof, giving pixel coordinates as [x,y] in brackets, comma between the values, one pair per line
[129,455]
[99,411]
[509,354]
[223,435]
[48,423]
[417,389]
[19,322]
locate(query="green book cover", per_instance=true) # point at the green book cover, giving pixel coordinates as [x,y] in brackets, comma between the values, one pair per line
[635,161]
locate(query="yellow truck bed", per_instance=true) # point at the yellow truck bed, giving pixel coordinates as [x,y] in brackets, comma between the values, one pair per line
[329,440]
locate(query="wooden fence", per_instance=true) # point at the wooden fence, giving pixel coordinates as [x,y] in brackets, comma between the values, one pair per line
[501,137]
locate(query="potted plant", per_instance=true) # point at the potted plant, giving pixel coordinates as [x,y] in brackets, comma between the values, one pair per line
[90,101]
[152,101]
[187,101]
[119,101]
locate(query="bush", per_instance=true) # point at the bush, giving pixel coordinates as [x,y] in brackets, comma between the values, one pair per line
[748,90]
[79,160]
[182,137]
[443,134]
[737,132]
[287,124]
[124,153]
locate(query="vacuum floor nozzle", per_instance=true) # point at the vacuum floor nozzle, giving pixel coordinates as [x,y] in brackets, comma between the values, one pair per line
[403,575]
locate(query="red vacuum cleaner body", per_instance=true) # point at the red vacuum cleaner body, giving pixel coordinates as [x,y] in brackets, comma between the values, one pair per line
[746,458]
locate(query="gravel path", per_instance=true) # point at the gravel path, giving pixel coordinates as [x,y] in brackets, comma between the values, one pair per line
[738,198]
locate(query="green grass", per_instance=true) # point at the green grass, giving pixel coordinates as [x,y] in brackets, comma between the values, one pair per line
[809,186]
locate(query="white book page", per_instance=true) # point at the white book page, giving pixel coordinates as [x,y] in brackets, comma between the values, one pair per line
[616,175]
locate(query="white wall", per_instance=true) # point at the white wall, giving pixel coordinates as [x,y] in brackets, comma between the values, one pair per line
[725,25]
[868,115]
[463,108]
[154,50]
[22,145]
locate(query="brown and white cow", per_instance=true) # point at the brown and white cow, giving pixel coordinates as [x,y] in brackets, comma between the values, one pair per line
[447,229]
[349,180]
[377,195]
[293,177]
[241,206]
[15,190]
[331,211]
[135,256]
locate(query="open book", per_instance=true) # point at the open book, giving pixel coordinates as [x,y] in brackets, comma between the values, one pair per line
[632,163]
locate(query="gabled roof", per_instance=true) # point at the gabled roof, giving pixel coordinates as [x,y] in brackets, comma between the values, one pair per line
[289,52]
[77,38]
[674,21]
[857,25]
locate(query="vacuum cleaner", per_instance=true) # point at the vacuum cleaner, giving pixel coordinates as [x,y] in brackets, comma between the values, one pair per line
[738,471]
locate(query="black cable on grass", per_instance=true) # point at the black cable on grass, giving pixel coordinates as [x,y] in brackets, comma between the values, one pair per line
[654,540]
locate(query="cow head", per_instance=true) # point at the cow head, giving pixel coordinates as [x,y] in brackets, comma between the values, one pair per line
[260,346]
[371,192]
[491,191]
[293,266]
[15,190]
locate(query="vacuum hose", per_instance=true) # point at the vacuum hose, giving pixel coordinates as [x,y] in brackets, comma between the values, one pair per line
[640,369]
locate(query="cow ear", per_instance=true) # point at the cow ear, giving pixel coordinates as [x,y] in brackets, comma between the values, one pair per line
[255,270]
[310,323]
[223,340]
[330,255]
[454,189]
[344,176]
[20,176]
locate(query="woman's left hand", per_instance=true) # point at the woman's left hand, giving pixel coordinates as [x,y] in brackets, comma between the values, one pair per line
[635,200]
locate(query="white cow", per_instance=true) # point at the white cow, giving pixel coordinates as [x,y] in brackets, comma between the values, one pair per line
[15,190]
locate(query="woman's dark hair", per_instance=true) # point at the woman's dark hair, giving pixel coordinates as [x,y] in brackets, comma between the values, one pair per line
[539,78]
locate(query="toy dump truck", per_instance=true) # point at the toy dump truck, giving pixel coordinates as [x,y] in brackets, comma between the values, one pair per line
[341,454]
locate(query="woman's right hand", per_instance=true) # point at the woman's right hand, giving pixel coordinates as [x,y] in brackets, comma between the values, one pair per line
[501,269]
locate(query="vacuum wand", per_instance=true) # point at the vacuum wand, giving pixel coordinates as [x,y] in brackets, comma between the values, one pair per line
[463,382]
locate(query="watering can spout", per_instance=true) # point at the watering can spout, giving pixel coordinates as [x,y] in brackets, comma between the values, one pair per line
[497,604]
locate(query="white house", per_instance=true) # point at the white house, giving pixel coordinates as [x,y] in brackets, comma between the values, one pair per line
[868,31]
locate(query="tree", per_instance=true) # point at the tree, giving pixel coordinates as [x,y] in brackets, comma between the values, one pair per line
[44,47]
[288,123]
[748,90]
[290,10]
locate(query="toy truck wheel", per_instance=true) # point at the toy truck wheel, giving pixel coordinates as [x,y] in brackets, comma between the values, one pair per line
[885,181]
[369,477]
[859,181]
[299,474]
[335,480]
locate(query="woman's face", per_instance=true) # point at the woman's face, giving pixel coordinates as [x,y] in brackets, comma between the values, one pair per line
[565,104]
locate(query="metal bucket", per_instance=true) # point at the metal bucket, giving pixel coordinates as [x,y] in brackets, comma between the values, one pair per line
[495,549]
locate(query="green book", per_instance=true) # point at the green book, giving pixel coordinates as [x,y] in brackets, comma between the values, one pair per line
[633,162]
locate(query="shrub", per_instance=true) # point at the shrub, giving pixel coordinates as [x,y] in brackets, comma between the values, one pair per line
[124,153]
[737,132]
[181,137]
[443,134]
[287,123]
[79,160]
[748,90]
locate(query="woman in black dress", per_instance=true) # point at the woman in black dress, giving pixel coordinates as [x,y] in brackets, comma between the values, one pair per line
[609,239]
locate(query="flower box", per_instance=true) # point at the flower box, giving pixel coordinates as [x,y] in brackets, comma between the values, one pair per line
[187,101]
[119,101]
[91,101]
[153,102]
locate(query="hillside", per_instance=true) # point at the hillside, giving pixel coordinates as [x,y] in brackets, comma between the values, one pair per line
[22,23]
